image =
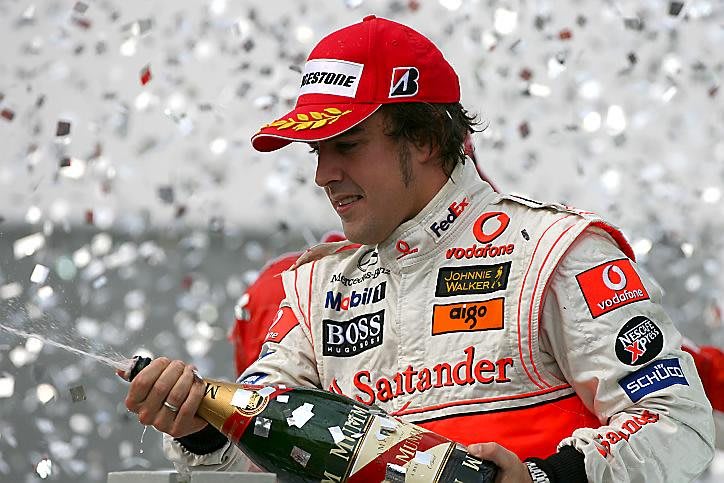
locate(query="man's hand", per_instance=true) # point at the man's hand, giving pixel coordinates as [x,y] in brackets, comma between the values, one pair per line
[511,469]
[174,383]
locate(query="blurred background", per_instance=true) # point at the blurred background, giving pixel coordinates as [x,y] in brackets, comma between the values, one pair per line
[134,212]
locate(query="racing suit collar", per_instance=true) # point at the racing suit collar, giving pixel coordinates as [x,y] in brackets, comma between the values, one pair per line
[424,235]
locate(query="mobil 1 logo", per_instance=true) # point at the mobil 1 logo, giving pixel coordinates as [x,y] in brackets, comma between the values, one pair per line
[348,338]
[639,341]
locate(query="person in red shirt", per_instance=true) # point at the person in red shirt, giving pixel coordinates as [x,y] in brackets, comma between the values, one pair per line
[256,309]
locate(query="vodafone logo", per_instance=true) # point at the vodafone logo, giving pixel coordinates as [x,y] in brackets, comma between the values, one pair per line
[611,285]
[490,226]
[607,277]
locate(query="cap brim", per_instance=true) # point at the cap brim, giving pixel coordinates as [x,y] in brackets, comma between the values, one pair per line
[311,123]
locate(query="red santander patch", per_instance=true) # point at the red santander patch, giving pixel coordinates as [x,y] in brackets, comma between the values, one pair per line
[611,285]
[283,323]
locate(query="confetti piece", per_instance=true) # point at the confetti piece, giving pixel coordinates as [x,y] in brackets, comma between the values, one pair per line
[394,473]
[10,290]
[40,274]
[300,456]
[145,75]
[241,398]
[337,434]
[63,128]
[80,7]
[675,8]
[284,398]
[302,415]
[423,458]
[77,394]
[262,427]
[266,391]
[387,423]
[7,114]
[7,385]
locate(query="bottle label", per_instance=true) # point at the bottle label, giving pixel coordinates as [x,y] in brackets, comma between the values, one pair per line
[231,407]
[377,447]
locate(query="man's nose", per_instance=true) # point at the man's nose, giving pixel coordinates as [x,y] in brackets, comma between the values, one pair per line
[329,169]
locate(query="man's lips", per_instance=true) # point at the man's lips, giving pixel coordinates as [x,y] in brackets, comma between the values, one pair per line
[343,203]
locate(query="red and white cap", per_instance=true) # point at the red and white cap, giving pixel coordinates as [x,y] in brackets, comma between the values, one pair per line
[352,72]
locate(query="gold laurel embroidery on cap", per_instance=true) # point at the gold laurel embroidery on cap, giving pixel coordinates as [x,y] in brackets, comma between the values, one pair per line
[303,121]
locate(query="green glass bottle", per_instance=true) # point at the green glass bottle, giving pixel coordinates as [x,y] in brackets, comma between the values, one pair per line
[306,434]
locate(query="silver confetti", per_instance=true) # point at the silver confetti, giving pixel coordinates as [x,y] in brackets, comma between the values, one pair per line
[77,393]
[301,415]
[395,473]
[262,427]
[337,434]
[300,456]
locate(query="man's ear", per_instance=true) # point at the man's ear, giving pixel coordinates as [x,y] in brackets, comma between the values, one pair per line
[426,151]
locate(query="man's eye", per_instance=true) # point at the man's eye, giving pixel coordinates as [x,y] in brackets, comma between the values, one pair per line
[344,147]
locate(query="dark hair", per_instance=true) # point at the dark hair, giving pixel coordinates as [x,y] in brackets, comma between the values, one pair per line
[442,126]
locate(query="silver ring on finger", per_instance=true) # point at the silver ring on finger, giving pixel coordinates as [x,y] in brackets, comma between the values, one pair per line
[171,407]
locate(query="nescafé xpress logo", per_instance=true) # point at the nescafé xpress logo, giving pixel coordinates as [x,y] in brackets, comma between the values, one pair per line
[639,341]
[473,279]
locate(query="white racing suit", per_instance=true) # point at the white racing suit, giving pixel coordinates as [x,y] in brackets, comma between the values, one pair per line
[495,318]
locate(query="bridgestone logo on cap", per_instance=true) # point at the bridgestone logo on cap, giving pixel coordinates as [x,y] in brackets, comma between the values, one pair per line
[329,76]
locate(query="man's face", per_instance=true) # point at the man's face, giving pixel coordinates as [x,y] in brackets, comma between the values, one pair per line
[365,178]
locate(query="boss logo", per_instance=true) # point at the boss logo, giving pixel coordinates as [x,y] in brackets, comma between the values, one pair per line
[354,336]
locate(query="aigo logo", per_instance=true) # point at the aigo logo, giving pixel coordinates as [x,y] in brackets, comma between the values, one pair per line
[484,235]
[468,316]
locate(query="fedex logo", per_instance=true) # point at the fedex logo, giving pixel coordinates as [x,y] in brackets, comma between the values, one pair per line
[454,210]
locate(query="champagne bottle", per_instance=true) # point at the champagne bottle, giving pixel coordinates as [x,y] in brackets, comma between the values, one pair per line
[306,434]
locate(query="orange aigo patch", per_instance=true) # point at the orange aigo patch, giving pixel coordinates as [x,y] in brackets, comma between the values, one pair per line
[310,120]
[468,316]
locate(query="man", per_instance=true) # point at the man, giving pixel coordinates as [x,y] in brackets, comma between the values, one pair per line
[479,316]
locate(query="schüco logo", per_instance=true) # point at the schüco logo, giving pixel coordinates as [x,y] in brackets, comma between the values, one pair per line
[348,338]
[368,296]
[454,210]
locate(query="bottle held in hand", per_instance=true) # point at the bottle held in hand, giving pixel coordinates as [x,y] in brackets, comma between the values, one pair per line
[306,434]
